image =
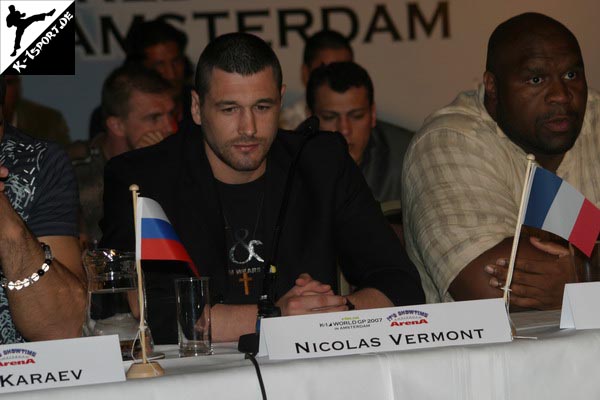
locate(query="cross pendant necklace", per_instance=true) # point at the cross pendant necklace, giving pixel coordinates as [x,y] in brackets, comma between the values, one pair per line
[245,279]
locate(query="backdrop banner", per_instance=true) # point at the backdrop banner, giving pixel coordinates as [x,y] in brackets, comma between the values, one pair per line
[420,53]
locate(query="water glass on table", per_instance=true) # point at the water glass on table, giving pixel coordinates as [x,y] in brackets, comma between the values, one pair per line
[193,316]
[113,305]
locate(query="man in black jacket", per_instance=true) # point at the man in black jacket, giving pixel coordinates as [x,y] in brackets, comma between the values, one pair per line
[222,187]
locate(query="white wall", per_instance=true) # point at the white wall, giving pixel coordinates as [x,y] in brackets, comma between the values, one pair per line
[412,77]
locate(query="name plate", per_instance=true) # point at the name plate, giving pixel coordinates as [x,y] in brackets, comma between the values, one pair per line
[385,329]
[60,363]
[580,307]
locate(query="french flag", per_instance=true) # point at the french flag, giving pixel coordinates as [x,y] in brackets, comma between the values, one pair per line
[155,238]
[555,206]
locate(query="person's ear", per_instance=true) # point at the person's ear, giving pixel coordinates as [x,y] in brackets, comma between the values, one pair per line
[305,74]
[373,115]
[282,93]
[195,110]
[490,85]
[115,126]
[489,82]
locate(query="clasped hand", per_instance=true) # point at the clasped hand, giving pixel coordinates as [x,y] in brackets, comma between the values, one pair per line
[310,296]
[537,284]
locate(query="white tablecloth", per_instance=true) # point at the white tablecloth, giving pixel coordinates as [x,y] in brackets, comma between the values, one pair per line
[559,365]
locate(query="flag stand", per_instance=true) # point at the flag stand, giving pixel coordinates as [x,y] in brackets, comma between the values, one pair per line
[515,245]
[144,369]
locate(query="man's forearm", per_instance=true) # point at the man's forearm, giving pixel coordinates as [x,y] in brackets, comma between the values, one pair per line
[54,306]
[542,270]
[369,298]
[229,322]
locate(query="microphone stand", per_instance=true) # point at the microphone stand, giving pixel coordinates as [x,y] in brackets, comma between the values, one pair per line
[249,343]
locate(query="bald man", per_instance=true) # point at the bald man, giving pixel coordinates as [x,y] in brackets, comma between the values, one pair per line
[463,174]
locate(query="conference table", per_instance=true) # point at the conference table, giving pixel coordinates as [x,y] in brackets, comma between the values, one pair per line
[548,363]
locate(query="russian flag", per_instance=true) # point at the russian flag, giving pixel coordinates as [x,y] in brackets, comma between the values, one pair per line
[555,206]
[155,238]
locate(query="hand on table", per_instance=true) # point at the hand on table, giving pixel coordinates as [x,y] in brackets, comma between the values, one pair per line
[310,296]
[536,284]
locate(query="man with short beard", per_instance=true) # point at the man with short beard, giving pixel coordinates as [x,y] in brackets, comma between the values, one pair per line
[463,174]
[222,186]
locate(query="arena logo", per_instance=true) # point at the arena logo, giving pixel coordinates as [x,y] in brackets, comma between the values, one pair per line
[408,317]
[17,356]
[37,37]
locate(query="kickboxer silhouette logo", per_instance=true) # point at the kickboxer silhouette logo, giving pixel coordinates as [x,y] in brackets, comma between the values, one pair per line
[18,20]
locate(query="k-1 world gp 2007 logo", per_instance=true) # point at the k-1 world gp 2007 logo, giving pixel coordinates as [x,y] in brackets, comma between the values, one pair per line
[353,322]
[37,37]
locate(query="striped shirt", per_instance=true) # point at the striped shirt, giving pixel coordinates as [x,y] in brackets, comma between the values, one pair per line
[462,182]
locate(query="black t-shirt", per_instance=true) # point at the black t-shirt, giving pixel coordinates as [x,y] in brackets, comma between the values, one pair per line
[243,216]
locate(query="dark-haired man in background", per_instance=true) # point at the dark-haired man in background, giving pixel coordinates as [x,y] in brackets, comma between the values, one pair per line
[158,46]
[342,96]
[463,174]
[322,48]
[222,187]
[41,298]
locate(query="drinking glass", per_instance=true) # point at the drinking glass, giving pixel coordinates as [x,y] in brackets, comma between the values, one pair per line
[193,316]
[113,306]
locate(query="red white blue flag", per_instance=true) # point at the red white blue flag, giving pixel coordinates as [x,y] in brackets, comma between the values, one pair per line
[155,238]
[555,206]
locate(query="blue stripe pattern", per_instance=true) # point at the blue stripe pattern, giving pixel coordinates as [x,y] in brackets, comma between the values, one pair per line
[153,228]
[543,191]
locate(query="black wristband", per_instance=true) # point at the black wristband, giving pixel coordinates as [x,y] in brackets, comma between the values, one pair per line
[349,304]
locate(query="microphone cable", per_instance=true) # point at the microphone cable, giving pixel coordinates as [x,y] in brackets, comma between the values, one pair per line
[249,344]
[251,357]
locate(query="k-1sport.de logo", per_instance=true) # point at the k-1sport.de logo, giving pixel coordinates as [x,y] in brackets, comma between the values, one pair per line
[408,317]
[37,37]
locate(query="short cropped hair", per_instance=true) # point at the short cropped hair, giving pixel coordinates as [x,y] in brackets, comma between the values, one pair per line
[240,53]
[518,26]
[150,33]
[339,76]
[121,83]
[2,90]
[322,40]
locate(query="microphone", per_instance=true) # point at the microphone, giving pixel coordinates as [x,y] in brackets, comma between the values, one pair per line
[249,343]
